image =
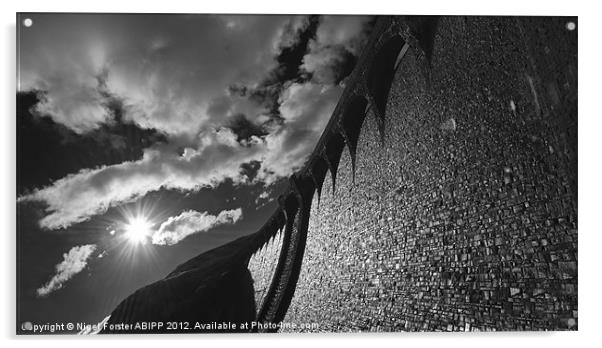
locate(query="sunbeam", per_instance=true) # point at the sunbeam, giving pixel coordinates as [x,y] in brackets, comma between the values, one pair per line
[138,230]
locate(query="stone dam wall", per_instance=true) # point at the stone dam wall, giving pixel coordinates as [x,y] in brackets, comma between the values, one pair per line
[443,193]
[442,196]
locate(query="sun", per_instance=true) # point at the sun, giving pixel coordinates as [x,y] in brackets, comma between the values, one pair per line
[137,230]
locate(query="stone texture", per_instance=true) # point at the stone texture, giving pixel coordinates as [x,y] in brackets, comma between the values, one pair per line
[465,227]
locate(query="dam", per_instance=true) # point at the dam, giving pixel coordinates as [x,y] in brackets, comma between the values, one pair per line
[442,195]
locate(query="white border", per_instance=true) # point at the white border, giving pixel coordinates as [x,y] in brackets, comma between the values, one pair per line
[590,127]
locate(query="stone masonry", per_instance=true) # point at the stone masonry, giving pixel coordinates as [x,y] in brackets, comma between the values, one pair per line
[453,205]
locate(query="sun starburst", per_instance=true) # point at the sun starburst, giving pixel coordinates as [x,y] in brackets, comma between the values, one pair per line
[137,230]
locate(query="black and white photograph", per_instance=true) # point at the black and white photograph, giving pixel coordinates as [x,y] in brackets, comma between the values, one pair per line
[198,173]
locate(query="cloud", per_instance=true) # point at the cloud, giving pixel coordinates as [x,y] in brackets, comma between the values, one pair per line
[346,31]
[167,70]
[73,99]
[77,197]
[176,228]
[262,197]
[338,38]
[73,262]
[305,108]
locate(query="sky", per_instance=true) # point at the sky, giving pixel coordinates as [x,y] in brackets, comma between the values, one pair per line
[144,140]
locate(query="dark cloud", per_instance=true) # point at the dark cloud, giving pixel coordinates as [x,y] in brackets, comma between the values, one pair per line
[250,170]
[245,129]
[290,57]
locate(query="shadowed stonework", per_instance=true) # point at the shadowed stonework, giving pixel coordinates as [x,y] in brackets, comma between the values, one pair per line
[442,195]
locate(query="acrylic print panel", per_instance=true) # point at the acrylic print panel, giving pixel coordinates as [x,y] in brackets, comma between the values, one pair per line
[258,173]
